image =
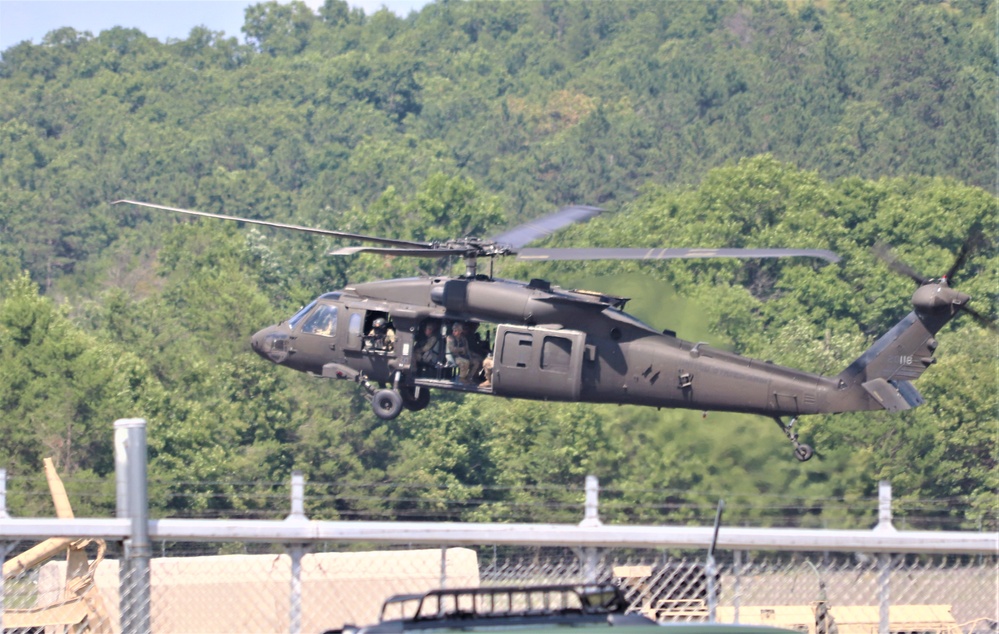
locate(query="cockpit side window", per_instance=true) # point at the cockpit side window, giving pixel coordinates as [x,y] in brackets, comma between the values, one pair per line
[322,322]
[356,322]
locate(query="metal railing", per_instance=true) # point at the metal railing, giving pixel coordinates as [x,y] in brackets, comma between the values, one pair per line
[315,575]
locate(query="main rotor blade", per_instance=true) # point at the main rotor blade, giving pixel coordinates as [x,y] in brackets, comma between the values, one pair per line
[405,252]
[281,225]
[542,227]
[670,254]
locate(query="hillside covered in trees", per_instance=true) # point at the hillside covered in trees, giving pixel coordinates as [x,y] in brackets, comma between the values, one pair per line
[830,125]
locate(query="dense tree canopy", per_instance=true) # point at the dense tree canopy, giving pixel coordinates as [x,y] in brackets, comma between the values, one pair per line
[824,125]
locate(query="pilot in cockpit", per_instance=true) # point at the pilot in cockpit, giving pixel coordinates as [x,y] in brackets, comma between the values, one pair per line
[322,322]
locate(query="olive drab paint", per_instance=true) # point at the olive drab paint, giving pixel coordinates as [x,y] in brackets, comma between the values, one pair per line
[534,340]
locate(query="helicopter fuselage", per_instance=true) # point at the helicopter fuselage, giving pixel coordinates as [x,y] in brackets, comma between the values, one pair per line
[547,344]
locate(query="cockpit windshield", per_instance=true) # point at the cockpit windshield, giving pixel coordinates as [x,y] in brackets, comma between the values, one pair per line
[302,313]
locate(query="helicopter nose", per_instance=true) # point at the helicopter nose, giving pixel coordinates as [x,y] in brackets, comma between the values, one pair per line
[257,341]
[271,344]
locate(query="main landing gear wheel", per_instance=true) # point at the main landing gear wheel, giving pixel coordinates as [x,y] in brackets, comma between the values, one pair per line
[802,451]
[415,398]
[386,404]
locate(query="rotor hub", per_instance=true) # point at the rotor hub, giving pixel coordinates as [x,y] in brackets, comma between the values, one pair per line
[937,295]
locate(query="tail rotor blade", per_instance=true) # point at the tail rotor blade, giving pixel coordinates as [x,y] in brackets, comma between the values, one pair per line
[977,240]
[982,320]
[959,260]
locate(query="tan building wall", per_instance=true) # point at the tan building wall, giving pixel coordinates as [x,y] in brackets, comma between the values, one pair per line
[849,619]
[250,593]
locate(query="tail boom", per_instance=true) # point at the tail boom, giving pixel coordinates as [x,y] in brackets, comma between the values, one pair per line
[881,377]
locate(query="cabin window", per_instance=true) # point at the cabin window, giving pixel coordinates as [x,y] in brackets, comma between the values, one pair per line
[516,350]
[555,354]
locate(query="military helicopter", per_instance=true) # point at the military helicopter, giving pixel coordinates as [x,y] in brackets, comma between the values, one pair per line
[556,344]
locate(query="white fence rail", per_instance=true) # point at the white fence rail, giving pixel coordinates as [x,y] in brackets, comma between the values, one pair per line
[470,534]
[315,575]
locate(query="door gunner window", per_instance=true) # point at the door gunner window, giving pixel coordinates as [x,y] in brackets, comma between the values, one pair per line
[321,322]
[555,354]
[516,350]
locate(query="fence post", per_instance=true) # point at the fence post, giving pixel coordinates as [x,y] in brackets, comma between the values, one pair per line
[884,560]
[133,503]
[591,517]
[736,588]
[710,567]
[296,552]
[121,512]
[443,566]
[884,594]
[884,507]
[5,547]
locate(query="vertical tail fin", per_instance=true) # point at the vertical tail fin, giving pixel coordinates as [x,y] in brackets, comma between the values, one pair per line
[903,353]
[881,377]
[885,369]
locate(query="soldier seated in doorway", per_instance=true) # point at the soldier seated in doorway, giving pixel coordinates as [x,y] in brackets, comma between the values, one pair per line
[459,353]
[382,335]
[429,345]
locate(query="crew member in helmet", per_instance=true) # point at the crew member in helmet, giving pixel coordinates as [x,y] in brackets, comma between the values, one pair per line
[382,335]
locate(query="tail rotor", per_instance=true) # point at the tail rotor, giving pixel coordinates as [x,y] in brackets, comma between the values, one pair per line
[936,294]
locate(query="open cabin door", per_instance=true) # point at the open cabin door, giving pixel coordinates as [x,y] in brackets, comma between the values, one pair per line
[538,363]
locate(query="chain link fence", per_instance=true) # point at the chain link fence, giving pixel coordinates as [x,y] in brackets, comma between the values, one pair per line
[296,575]
[337,584]
[672,587]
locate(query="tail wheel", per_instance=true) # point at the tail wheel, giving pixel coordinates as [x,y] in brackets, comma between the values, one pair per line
[386,404]
[415,398]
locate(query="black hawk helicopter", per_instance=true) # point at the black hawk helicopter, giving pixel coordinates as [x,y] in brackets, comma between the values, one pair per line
[398,339]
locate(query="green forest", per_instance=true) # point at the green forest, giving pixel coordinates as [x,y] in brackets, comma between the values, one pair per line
[835,124]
